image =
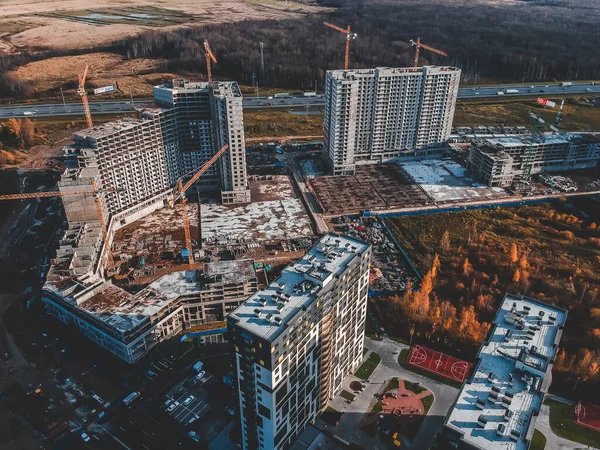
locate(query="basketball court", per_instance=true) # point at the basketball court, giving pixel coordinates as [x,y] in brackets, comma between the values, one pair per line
[437,362]
[587,415]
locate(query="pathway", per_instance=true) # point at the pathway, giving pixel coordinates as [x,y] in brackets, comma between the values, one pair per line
[552,440]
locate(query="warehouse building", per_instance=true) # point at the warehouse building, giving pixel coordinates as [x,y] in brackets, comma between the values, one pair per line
[498,404]
[375,115]
[296,340]
[499,161]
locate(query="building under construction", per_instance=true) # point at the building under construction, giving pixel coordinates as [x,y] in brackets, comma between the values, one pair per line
[122,171]
[500,161]
[129,325]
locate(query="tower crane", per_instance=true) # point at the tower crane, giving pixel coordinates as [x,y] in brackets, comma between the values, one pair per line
[349,37]
[179,194]
[209,58]
[83,95]
[418,45]
[95,191]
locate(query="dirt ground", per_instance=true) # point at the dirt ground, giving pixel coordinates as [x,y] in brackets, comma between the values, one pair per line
[135,77]
[39,23]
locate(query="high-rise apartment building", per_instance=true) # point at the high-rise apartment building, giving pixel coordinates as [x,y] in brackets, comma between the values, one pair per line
[208,116]
[144,157]
[374,115]
[296,340]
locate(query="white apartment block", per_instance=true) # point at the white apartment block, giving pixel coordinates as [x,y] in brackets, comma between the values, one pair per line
[297,339]
[374,115]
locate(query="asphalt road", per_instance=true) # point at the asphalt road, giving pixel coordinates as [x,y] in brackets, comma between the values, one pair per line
[120,107]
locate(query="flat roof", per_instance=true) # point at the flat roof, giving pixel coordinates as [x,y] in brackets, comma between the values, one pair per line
[231,271]
[118,126]
[543,139]
[352,74]
[298,286]
[512,365]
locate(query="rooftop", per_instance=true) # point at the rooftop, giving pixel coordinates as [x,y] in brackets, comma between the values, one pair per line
[267,312]
[352,74]
[497,403]
[118,126]
[543,139]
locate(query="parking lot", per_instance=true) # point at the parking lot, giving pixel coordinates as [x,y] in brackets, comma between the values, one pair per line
[187,402]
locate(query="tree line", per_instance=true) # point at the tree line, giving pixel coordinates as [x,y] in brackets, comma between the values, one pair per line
[513,41]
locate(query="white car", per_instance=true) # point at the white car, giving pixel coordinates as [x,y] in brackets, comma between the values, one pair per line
[173,406]
[200,375]
[189,400]
[85,437]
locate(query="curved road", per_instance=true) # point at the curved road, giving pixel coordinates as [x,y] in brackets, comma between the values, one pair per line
[121,107]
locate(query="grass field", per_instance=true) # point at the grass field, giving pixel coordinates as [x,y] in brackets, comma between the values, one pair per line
[515,112]
[367,368]
[402,361]
[281,123]
[538,441]
[561,422]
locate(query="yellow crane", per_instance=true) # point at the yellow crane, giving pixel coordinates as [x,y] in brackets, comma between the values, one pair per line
[179,194]
[349,37]
[83,95]
[418,45]
[209,58]
[95,191]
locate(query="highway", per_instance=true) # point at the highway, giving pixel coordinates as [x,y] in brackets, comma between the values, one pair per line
[120,107]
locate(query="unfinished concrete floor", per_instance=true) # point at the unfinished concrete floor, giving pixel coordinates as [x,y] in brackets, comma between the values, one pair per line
[372,187]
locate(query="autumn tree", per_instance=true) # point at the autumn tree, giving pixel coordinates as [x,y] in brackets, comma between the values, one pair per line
[514,253]
[467,267]
[516,276]
[523,263]
[445,241]
[13,126]
[427,284]
[28,132]
[435,266]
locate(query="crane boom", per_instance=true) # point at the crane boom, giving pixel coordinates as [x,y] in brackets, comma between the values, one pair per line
[94,191]
[83,95]
[418,45]
[180,195]
[209,57]
[349,37]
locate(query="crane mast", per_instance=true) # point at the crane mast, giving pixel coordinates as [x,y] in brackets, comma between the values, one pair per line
[83,95]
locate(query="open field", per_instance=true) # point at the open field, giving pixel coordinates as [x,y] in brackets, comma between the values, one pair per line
[281,123]
[74,25]
[135,77]
[515,112]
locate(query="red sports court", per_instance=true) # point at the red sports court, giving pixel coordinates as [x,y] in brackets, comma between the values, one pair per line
[587,415]
[437,362]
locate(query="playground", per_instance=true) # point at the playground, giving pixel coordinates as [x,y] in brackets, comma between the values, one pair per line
[439,363]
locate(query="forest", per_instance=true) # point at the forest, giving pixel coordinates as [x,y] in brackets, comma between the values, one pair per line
[503,41]
[471,259]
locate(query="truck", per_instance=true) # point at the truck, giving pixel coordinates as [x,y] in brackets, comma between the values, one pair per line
[309,94]
[500,92]
[282,95]
[198,366]
[511,91]
[131,398]
[566,83]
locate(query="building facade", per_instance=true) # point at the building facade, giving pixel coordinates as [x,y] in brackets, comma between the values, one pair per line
[143,158]
[498,404]
[129,325]
[374,115]
[499,161]
[296,340]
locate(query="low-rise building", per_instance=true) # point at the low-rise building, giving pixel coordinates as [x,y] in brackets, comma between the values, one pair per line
[129,325]
[498,404]
[499,161]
